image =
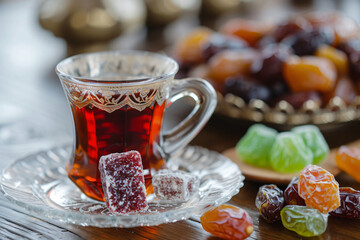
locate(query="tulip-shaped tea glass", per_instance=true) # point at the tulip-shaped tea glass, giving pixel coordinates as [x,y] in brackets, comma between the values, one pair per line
[118,100]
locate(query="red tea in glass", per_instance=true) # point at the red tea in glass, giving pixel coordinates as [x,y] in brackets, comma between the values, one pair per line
[117,101]
[103,133]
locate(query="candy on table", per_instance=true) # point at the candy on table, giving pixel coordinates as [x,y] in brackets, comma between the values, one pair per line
[247,88]
[307,42]
[227,222]
[344,89]
[337,57]
[309,73]
[269,201]
[189,49]
[349,204]
[123,183]
[348,160]
[255,146]
[289,153]
[250,31]
[291,194]
[319,189]
[230,63]
[174,186]
[303,220]
[314,140]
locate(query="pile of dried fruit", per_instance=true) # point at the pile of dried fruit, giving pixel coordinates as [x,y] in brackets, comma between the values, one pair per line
[306,202]
[307,57]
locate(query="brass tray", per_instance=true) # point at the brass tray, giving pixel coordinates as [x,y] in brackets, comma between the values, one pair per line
[334,113]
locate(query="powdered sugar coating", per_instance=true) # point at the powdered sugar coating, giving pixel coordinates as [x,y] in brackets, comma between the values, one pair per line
[123,182]
[175,186]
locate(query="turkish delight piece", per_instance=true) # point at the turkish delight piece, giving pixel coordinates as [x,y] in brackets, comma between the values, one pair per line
[255,146]
[175,186]
[123,182]
[314,140]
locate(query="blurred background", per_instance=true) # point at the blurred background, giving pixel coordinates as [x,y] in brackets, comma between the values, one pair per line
[36,35]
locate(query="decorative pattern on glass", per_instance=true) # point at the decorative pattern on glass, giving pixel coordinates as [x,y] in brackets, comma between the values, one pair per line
[110,98]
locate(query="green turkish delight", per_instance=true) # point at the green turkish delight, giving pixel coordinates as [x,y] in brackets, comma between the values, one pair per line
[255,146]
[314,140]
[289,153]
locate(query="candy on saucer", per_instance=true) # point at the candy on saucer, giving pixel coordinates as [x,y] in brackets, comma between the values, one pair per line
[174,186]
[123,182]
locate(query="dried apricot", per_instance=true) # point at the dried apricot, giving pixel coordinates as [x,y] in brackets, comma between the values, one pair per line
[309,74]
[189,49]
[230,63]
[248,30]
[337,57]
[227,222]
[348,160]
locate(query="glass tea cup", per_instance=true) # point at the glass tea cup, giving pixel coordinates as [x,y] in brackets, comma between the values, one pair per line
[118,99]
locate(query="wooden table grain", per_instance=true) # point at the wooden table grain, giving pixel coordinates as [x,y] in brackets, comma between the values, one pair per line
[30,89]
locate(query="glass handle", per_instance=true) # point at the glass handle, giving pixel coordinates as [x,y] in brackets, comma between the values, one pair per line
[204,96]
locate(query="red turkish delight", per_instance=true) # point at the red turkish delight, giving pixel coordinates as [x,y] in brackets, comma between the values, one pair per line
[123,182]
[174,186]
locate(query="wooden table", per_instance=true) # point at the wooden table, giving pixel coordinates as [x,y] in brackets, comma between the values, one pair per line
[30,91]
